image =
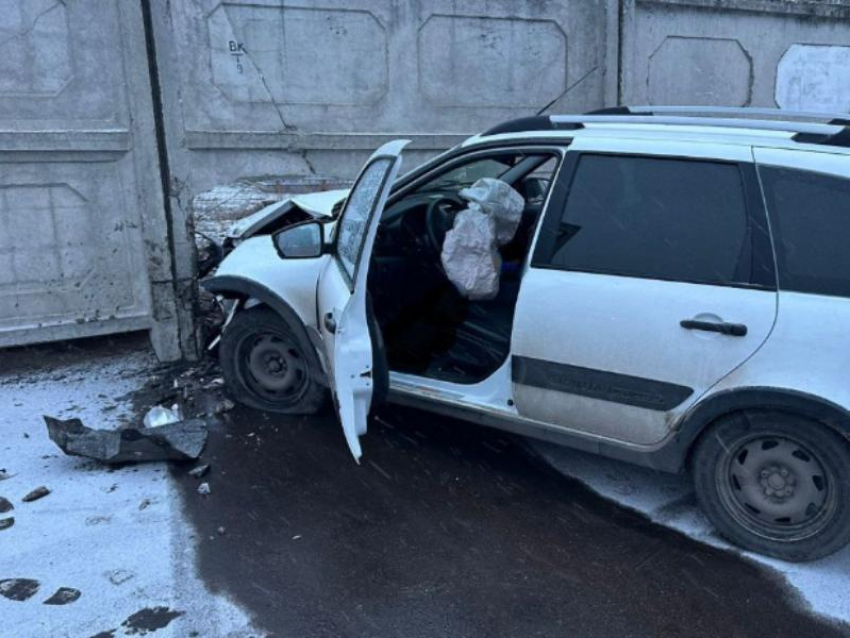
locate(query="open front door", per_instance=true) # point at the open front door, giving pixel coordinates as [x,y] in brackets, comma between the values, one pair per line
[342,293]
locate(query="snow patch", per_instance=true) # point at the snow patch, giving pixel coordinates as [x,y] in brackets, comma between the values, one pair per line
[117,535]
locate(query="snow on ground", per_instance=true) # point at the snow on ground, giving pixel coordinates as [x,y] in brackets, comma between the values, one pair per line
[823,585]
[116,536]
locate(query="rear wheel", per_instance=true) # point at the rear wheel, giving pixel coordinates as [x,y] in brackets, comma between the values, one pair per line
[267,366]
[776,484]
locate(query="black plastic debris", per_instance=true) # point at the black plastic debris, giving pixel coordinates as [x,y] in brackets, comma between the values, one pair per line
[40,492]
[180,441]
[19,589]
[63,596]
[6,523]
[149,620]
[5,505]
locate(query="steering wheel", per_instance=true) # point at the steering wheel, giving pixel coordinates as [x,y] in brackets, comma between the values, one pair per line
[439,218]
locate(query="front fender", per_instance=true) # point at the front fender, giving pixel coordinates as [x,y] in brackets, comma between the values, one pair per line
[254,269]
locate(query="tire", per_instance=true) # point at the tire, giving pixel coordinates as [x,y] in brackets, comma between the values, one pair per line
[775,483]
[267,365]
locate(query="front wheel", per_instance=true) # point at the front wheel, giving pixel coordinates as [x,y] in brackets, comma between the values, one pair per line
[267,366]
[776,484]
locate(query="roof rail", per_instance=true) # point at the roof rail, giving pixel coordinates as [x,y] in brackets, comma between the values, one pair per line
[824,129]
[837,119]
[828,129]
[841,138]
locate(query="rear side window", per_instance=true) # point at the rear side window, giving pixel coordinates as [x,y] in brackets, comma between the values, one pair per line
[655,218]
[810,218]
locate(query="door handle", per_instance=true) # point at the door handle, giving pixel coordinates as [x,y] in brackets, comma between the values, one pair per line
[723,327]
[330,323]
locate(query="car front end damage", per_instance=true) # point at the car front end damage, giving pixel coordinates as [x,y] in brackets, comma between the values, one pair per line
[280,215]
[243,262]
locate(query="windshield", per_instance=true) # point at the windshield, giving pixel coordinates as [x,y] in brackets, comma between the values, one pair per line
[467,174]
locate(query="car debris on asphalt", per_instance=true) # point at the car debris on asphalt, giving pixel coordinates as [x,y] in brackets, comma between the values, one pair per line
[218,382]
[180,441]
[158,416]
[223,406]
[204,489]
[199,471]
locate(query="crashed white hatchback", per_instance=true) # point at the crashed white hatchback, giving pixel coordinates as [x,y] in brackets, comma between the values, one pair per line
[632,311]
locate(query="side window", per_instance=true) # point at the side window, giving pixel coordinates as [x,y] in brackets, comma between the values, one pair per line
[810,218]
[654,218]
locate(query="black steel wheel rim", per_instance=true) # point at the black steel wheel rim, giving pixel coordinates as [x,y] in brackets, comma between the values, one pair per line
[776,487]
[273,367]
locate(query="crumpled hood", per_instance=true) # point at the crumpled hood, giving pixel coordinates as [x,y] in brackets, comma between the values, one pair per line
[321,203]
[318,204]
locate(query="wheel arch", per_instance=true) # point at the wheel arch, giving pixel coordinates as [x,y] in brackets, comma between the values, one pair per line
[243,288]
[704,414]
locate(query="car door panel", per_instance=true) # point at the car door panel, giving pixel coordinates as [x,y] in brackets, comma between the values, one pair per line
[621,365]
[606,352]
[341,294]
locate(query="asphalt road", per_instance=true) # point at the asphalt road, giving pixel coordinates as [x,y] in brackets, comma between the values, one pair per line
[447,529]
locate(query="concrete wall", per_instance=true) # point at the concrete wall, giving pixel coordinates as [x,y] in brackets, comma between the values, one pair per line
[83,233]
[101,112]
[309,89]
[738,53]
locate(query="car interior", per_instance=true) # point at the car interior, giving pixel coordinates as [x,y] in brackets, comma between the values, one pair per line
[429,328]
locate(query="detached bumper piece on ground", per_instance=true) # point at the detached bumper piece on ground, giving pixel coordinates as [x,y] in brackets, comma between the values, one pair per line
[180,441]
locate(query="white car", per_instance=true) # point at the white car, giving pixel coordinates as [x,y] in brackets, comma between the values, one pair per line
[676,296]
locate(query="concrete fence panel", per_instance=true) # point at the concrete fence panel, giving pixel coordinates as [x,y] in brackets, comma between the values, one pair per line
[83,235]
[308,89]
[736,53]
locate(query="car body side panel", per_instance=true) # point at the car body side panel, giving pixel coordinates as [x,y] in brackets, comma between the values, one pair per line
[808,351]
[608,326]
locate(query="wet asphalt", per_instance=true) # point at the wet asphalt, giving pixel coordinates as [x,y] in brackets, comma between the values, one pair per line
[448,529]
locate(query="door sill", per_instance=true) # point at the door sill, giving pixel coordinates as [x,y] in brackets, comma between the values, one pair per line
[493,394]
[485,405]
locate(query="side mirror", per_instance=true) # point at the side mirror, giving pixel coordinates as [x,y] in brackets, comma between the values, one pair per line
[301,241]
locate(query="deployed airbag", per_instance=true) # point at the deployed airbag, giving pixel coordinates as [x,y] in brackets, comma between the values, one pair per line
[470,254]
[470,258]
[501,202]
